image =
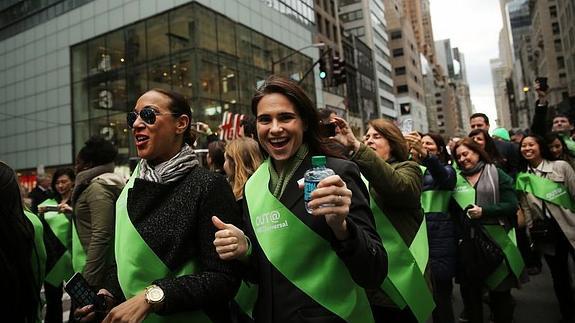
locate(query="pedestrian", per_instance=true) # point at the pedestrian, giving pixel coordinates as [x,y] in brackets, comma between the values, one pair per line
[309,267]
[438,183]
[96,190]
[484,194]
[22,253]
[395,192]
[58,233]
[546,190]
[215,158]
[41,192]
[558,148]
[242,158]
[167,269]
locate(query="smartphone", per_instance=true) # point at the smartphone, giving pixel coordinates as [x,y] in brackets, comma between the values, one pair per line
[542,81]
[327,130]
[50,208]
[407,126]
[82,294]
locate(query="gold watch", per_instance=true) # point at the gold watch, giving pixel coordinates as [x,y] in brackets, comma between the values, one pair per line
[154,295]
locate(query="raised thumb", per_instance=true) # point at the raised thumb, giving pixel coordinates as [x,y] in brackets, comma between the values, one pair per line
[218,223]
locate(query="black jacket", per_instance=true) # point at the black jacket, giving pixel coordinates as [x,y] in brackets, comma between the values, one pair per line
[38,195]
[175,221]
[363,254]
[440,227]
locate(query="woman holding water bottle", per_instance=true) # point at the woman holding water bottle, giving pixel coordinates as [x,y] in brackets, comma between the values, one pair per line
[308,266]
[395,190]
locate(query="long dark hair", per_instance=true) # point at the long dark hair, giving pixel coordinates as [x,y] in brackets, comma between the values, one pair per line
[304,107]
[543,150]
[441,148]
[179,105]
[57,174]
[17,250]
[550,137]
[397,144]
[490,147]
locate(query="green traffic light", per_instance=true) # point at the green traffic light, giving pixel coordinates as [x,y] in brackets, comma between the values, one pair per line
[322,75]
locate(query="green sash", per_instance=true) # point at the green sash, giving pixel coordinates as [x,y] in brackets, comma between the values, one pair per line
[434,200]
[138,265]
[405,282]
[312,266]
[78,253]
[60,225]
[545,189]
[464,195]
[38,256]
[568,142]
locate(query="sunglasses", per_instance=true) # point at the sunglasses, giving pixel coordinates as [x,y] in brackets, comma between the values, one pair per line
[147,114]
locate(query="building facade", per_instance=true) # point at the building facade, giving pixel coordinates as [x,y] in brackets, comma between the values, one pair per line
[74,69]
[366,20]
[406,65]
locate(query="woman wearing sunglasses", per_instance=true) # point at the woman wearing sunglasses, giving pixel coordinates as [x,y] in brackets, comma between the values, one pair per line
[167,267]
[309,267]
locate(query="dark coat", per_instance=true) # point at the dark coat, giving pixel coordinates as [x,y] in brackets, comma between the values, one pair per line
[174,220]
[363,254]
[440,227]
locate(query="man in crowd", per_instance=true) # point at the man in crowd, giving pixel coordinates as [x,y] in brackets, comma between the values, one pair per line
[41,192]
[508,150]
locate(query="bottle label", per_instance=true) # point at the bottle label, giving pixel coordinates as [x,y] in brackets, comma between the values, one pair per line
[309,187]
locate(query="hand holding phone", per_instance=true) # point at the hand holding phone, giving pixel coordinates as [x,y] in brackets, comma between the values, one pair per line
[50,208]
[82,294]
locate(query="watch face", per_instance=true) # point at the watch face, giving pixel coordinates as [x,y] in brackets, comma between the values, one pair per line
[155,294]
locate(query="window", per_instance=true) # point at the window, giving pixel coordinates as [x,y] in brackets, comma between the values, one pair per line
[400,70]
[396,34]
[438,101]
[440,116]
[386,103]
[560,62]
[555,28]
[558,46]
[397,52]
[553,11]
[351,16]
[402,89]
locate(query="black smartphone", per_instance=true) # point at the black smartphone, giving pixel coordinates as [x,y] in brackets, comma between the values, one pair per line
[542,81]
[82,294]
[327,130]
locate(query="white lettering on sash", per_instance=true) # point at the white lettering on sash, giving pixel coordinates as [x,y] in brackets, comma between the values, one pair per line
[270,221]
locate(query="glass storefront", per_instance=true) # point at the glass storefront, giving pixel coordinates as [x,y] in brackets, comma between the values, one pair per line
[215,62]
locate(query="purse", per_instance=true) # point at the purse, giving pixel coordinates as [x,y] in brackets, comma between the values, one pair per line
[542,231]
[481,254]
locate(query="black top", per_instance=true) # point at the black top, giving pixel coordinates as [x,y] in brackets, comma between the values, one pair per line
[175,221]
[363,254]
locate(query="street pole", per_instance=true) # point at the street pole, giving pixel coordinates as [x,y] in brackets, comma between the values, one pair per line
[317,45]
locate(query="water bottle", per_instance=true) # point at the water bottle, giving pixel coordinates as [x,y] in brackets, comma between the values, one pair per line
[313,176]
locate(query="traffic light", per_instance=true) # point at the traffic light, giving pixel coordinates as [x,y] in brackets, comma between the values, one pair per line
[322,68]
[338,70]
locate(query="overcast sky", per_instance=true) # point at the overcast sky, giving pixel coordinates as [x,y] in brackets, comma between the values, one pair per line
[473,26]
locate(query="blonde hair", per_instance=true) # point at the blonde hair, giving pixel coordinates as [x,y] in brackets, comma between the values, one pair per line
[246,157]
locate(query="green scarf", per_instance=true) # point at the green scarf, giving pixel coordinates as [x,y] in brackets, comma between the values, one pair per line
[279,181]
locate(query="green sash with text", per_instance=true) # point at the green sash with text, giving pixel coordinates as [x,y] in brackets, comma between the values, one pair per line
[464,195]
[315,266]
[545,189]
[138,265]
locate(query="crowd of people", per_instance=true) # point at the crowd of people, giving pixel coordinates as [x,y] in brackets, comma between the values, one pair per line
[403,218]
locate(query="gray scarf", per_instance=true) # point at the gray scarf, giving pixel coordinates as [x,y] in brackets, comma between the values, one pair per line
[487,187]
[172,169]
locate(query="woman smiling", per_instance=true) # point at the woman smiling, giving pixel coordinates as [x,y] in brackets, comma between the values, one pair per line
[167,268]
[308,267]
